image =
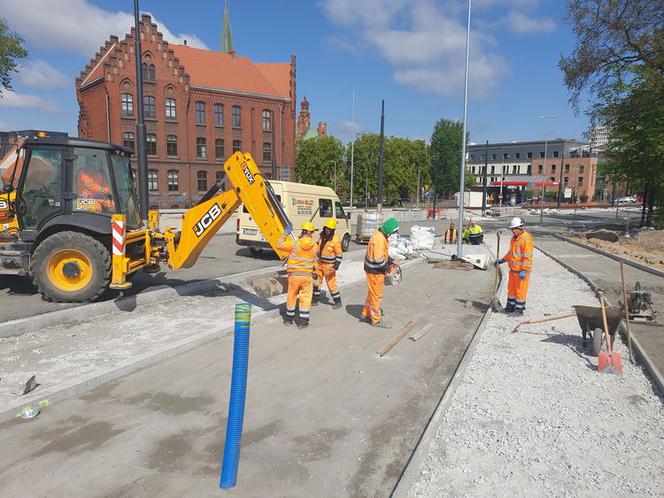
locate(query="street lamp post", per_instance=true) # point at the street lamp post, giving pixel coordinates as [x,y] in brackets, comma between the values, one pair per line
[352,159]
[462,180]
[546,143]
[141,158]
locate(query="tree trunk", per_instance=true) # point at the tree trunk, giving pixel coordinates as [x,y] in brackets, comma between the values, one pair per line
[435,196]
[651,205]
[645,204]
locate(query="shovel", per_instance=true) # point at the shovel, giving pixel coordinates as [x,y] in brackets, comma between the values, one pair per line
[550,319]
[608,361]
[495,302]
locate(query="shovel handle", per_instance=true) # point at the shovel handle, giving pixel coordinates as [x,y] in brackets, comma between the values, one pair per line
[606,325]
[550,319]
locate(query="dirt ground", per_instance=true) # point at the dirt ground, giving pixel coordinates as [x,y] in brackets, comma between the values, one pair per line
[646,247]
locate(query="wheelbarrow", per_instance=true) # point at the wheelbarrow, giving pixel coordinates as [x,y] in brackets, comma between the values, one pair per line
[590,321]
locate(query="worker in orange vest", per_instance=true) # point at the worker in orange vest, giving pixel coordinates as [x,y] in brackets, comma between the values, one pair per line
[451,235]
[328,260]
[300,268]
[519,258]
[93,185]
[376,264]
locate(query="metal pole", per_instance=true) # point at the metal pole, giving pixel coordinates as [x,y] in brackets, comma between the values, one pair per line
[141,157]
[366,187]
[379,199]
[417,204]
[484,179]
[335,176]
[560,183]
[543,188]
[352,159]
[502,179]
[462,180]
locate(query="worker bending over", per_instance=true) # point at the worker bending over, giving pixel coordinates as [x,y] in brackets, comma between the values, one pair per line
[300,268]
[464,234]
[475,233]
[519,258]
[451,235]
[376,264]
[328,260]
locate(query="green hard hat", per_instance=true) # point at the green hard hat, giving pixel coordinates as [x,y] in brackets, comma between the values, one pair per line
[389,227]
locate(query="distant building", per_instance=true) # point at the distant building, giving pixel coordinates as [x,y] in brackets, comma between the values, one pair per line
[518,166]
[9,138]
[200,106]
[304,130]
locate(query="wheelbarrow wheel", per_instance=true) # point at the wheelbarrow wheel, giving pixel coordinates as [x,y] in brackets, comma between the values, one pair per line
[597,341]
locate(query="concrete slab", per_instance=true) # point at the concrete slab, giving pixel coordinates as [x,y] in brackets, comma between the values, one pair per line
[325,416]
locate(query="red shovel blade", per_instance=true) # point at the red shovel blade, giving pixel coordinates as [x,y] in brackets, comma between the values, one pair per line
[611,364]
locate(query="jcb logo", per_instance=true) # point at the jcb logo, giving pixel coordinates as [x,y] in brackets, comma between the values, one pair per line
[249,176]
[4,205]
[207,219]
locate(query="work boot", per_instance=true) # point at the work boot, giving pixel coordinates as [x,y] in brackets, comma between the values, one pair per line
[337,303]
[516,313]
[381,324]
[507,310]
[303,324]
[288,321]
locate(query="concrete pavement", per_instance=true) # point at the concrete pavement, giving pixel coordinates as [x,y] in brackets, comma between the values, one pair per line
[325,415]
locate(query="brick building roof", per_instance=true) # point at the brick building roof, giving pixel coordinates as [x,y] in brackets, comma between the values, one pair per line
[221,71]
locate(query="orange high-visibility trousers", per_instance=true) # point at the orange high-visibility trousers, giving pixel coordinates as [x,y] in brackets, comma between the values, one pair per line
[517,290]
[299,286]
[329,275]
[374,299]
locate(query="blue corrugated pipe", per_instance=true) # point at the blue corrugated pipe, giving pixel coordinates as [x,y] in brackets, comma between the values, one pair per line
[238,395]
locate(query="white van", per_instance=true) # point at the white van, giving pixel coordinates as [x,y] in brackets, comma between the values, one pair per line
[301,202]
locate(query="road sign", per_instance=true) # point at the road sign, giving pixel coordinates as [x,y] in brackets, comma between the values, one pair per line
[568,193]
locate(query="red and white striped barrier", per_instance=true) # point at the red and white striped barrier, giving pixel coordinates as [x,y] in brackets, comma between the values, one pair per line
[119,233]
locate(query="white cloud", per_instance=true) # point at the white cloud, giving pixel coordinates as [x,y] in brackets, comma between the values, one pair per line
[350,128]
[10,98]
[74,25]
[521,24]
[340,44]
[41,75]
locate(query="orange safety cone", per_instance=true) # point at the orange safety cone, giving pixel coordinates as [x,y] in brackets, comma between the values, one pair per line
[608,361]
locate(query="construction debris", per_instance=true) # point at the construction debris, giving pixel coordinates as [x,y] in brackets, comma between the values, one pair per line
[603,234]
[454,265]
[393,342]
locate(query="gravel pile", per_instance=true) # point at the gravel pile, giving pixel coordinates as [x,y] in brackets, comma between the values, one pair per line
[533,417]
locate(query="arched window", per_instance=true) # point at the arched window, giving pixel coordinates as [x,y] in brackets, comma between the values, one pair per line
[170,109]
[267,120]
[173,181]
[218,115]
[153,184]
[237,113]
[171,145]
[201,180]
[149,107]
[200,112]
[152,73]
[127,104]
[201,148]
[144,71]
[237,146]
[128,139]
[219,149]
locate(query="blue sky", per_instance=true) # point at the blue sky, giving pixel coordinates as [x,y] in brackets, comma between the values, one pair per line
[408,52]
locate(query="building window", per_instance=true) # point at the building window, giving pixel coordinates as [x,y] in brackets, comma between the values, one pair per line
[267,120]
[530,155]
[149,107]
[237,112]
[170,109]
[540,169]
[218,115]
[237,146]
[219,149]
[542,154]
[201,148]
[506,155]
[153,184]
[518,155]
[171,145]
[566,181]
[200,113]
[267,152]
[493,169]
[581,169]
[580,182]
[151,144]
[201,180]
[567,168]
[151,73]
[494,156]
[127,104]
[219,178]
[144,71]
[128,139]
[555,153]
[173,182]
[553,168]
[530,169]
[472,157]
[553,179]
[515,169]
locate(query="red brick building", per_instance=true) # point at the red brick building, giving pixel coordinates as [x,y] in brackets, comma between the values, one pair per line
[200,106]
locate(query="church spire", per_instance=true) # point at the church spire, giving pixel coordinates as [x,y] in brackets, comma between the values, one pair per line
[226,35]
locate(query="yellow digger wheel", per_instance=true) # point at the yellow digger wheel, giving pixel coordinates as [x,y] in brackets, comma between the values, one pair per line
[69,270]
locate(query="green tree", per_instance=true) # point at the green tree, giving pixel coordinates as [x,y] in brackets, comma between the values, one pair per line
[445,152]
[11,50]
[316,161]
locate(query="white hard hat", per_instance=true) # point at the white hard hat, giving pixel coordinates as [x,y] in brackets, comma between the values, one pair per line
[516,223]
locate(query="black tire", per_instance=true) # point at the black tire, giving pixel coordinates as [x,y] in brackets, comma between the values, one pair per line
[96,253]
[598,336]
[345,243]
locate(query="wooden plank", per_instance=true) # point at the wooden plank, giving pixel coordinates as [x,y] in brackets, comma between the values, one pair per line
[392,342]
[420,333]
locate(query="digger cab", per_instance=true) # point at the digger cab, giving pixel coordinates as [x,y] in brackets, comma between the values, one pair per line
[59,195]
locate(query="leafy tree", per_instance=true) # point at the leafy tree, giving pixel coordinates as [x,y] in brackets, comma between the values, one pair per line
[11,50]
[316,160]
[445,152]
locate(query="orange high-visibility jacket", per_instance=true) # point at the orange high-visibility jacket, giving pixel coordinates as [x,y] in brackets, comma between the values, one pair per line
[329,254]
[376,259]
[91,184]
[302,255]
[520,254]
[451,235]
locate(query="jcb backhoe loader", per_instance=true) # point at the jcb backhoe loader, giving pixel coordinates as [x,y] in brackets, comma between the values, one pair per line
[69,218]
